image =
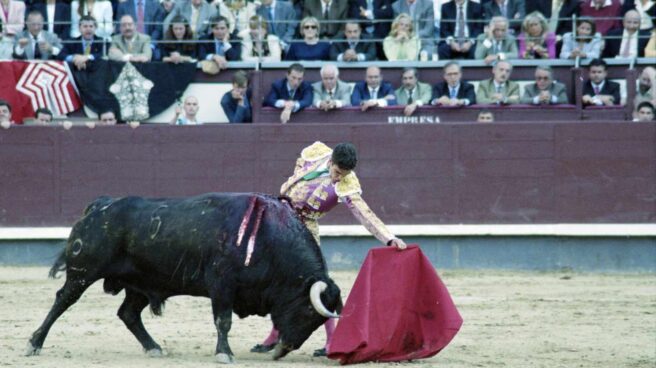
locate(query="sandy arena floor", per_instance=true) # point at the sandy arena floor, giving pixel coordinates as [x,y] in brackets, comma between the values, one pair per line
[511,319]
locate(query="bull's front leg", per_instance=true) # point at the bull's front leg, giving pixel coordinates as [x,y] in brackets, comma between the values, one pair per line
[223,322]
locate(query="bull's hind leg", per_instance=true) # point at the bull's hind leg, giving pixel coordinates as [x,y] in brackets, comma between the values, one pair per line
[66,296]
[130,314]
[223,322]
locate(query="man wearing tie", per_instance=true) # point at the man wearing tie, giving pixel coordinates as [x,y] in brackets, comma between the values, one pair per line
[453,91]
[35,43]
[413,93]
[147,14]
[84,48]
[498,89]
[291,94]
[330,93]
[373,91]
[130,45]
[354,48]
[496,43]
[629,41]
[281,18]
[219,46]
[597,90]
[459,27]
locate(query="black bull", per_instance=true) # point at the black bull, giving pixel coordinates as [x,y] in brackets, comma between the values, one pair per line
[157,248]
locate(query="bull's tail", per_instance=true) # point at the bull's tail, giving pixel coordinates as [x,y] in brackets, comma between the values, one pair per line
[59,265]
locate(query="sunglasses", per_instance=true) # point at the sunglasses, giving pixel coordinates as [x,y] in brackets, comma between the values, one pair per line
[310,27]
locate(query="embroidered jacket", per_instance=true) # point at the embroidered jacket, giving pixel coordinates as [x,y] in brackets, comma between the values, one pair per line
[313,193]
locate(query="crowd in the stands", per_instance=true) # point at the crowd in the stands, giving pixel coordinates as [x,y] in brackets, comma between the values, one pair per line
[215,33]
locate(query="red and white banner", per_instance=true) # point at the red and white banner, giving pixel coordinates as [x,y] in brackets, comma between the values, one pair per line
[32,85]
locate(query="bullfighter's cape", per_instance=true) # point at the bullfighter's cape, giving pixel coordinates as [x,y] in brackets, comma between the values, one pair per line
[398,309]
[313,193]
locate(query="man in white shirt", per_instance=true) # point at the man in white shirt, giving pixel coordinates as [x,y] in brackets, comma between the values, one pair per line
[629,41]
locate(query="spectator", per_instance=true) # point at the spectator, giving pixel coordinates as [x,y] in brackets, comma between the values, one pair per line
[545,91]
[459,28]
[281,19]
[412,93]
[597,90]
[100,10]
[35,43]
[220,46]
[498,89]
[148,16]
[559,13]
[535,41]
[605,13]
[375,16]
[290,94]
[43,116]
[423,20]
[12,16]
[167,7]
[5,114]
[241,11]
[650,49]
[330,93]
[6,45]
[257,44]
[130,45]
[644,112]
[106,117]
[187,115]
[355,48]
[198,12]
[311,48]
[485,116]
[646,9]
[586,44]
[373,91]
[628,41]
[331,14]
[56,16]
[496,43]
[84,48]
[453,91]
[236,103]
[402,43]
[646,84]
[513,10]
[179,45]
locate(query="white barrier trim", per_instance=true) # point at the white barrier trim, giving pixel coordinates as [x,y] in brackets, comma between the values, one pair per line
[574,230]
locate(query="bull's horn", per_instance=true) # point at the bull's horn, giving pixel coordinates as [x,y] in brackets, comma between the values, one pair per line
[315,297]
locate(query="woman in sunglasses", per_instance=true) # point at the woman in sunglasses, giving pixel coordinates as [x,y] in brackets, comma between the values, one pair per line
[311,48]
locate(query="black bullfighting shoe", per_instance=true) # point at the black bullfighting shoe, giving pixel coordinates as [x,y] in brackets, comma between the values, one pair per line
[320,352]
[261,348]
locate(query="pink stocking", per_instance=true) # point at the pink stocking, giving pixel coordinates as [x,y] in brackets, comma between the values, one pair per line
[330,328]
[273,337]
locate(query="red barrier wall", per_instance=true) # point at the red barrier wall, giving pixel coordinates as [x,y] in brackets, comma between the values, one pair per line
[411,174]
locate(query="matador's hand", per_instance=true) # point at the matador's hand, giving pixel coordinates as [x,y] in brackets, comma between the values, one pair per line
[398,243]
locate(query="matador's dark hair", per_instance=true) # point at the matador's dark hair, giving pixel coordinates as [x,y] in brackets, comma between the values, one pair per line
[345,156]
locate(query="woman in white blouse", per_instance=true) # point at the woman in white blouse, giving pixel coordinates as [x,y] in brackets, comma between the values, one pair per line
[585,43]
[101,10]
[256,44]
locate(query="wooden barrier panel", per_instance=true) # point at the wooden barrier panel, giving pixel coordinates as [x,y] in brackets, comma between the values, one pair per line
[534,172]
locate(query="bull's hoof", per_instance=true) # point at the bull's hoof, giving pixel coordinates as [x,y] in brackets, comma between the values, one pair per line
[31,350]
[261,348]
[224,358]
[154,353]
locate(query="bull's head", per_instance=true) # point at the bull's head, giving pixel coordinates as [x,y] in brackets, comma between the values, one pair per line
[322,301]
